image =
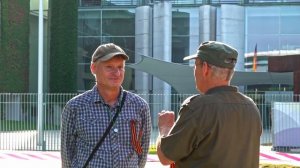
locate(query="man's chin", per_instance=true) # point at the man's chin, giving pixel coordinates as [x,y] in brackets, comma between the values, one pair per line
[115,85]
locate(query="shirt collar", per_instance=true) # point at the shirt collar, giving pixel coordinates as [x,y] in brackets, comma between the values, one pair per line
[222,89]
[97,98]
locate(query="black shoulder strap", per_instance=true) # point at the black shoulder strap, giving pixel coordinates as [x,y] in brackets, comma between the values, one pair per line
[112,122]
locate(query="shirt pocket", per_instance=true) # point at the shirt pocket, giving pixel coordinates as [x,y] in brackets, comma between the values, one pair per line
[90,129]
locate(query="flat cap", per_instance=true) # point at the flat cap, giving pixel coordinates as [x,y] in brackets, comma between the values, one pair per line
[107,51]
[216,53]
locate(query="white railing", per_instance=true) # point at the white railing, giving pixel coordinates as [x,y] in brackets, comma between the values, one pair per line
[18,118]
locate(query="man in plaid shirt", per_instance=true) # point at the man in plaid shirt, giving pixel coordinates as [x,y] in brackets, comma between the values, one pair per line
[86,117]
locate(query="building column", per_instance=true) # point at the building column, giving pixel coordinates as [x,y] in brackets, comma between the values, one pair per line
[143,46]
[162,36]
[207,23]
[233,30]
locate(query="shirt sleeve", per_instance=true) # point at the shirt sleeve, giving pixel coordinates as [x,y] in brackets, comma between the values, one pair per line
[145,142]
[183,135]
[67,136]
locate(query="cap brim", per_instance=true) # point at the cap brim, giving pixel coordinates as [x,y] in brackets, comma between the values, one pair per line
[190,57]
[111,55]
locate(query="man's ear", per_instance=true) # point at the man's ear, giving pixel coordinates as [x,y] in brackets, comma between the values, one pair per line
[205,68]
[93,68]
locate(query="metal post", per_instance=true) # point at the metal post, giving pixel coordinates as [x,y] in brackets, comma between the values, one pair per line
[40,134]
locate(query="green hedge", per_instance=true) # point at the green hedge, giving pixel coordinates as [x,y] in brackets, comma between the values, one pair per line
[63,45]
[14,47]
[7,125]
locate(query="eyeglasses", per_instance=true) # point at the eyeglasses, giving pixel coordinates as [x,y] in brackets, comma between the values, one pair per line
[111,69]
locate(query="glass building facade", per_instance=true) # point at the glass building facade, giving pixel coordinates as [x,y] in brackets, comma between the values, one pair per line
[269,24]
[96,27]
[272,28]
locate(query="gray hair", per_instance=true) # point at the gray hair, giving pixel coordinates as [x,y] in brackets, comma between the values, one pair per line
[221,73]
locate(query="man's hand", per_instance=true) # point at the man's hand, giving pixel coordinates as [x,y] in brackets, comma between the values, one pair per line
[166,120]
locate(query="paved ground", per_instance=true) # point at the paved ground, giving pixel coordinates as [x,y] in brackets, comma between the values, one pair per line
[37,159]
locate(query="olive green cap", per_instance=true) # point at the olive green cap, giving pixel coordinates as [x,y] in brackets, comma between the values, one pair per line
[216,53]
[107,51]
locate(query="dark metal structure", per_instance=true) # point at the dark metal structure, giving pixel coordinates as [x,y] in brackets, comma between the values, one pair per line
[287,63]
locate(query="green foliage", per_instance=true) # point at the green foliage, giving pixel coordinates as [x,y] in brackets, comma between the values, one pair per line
[8,125]
[14,48]
[277,165]
[63,45]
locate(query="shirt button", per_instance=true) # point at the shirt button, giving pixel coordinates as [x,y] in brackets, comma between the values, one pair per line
[116,130]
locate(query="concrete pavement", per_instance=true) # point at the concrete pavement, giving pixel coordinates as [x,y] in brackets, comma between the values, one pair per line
[49,159]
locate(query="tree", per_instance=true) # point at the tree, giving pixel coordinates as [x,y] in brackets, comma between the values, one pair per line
[14,46]
[63,45]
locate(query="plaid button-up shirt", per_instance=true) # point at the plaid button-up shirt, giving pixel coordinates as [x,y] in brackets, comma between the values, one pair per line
[84,121]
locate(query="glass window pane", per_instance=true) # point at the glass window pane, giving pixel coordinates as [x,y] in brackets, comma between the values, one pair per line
[185,32]
[264,43]
[180,23]
[290,42]
[180,48]
[263,25]
[290,24]
[265,1]
[225,1]
[86,47]
[272,28]
[263,11]
[185,21]
[118,22]
[89,23]
[90,2]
